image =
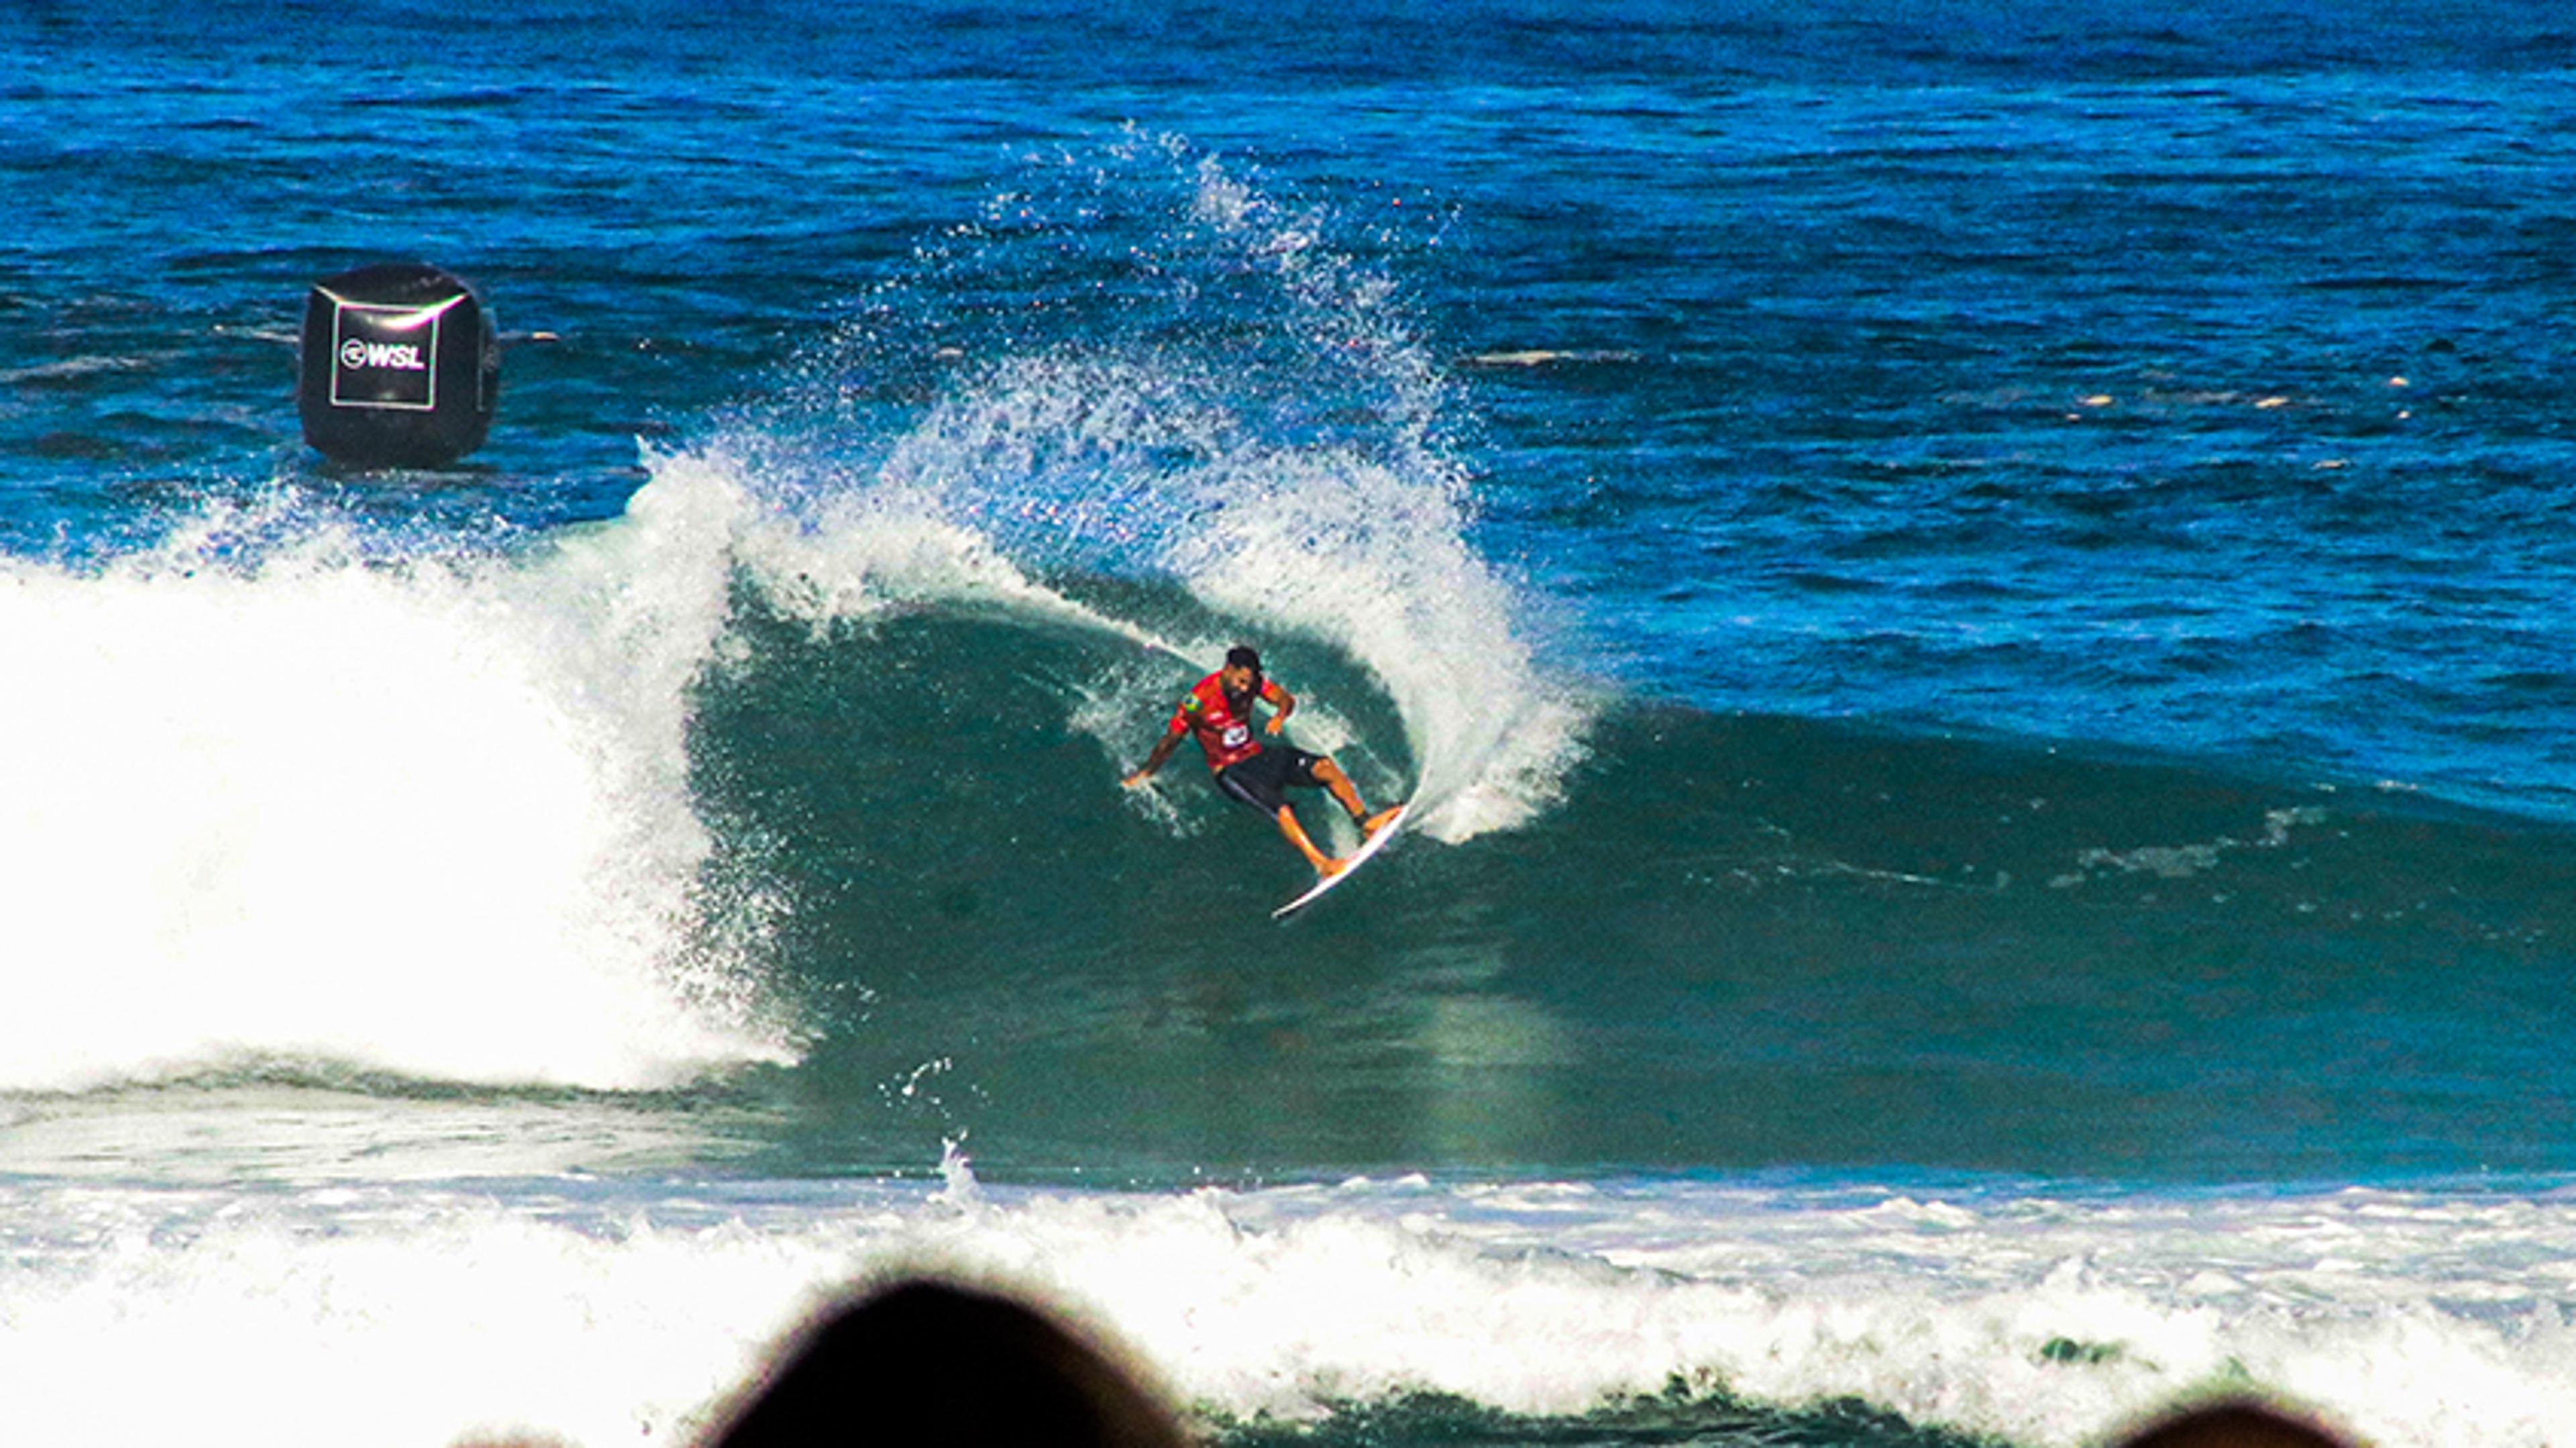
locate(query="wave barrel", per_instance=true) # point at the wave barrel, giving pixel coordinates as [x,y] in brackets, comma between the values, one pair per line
[400,367]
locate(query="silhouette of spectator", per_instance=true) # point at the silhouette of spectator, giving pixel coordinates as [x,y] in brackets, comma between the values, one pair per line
[926,1364]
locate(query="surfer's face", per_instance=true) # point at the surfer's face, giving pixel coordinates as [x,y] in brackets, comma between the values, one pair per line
[1238,679]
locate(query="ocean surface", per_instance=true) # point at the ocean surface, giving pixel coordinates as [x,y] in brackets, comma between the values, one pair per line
[1974,599]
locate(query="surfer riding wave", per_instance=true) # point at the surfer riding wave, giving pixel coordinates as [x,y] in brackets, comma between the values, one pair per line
[1219,712]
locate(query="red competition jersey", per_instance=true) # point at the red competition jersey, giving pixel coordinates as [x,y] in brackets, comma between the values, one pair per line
[1224,736]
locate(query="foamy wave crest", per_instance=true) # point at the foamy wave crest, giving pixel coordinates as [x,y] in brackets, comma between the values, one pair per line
[425,816]
[856,555]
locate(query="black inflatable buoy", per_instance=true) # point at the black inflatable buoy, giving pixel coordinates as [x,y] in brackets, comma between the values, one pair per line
[400,369]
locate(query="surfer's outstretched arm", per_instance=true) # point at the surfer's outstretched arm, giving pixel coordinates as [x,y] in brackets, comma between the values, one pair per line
[1154,761]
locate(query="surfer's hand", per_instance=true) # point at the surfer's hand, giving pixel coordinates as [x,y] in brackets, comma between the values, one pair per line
[1277,723]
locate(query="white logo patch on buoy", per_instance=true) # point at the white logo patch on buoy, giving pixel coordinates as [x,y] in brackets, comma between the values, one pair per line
[384,354]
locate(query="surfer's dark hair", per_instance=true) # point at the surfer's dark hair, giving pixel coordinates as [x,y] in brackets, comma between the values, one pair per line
[1243,656]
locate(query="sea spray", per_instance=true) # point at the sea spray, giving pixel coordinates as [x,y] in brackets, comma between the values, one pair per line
[1295,468]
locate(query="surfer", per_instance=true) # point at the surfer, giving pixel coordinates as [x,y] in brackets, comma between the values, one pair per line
[1219,711]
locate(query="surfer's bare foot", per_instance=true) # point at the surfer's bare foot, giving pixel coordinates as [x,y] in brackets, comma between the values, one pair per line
[1379,821]
[1327,867]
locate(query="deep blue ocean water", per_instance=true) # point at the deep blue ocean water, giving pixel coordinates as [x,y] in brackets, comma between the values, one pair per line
[1973,604]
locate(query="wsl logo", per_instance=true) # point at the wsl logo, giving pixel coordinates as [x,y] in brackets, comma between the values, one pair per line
[384,357]
[405,357]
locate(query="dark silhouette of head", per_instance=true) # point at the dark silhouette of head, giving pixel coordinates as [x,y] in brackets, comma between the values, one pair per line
[2233,1424]
[926,1364]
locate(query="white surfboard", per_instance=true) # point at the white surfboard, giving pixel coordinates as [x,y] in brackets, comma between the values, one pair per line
[1371,846]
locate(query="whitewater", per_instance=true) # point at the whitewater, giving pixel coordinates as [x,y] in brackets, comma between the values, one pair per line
[605,1312]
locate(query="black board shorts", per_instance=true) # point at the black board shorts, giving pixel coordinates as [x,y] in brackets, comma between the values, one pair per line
[1262,781]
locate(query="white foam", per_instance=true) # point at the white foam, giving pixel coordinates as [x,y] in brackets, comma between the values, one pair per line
[367,1314]
[862,554]
[425,816]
